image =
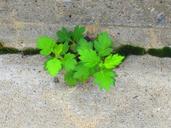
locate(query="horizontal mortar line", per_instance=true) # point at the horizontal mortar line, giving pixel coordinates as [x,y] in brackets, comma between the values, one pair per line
[101,25]
[126,26]
[141,27]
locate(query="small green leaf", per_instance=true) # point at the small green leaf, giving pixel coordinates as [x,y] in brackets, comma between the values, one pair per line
[53,66]
[81,72]
[58,49]
[105,79]
[103,44]
[46,45]
[69,62]
[82,44]
[65,48]
[78,33]
[69,79]
[64,35]
[89,57]
[113,60]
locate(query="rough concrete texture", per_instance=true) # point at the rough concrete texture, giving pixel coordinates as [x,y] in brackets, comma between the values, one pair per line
[144,23]
[30,98]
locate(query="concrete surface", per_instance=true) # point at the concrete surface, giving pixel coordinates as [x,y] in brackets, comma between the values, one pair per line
[144,23]
[29,97]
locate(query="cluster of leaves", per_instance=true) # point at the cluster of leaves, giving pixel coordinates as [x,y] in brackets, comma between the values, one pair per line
[80,59]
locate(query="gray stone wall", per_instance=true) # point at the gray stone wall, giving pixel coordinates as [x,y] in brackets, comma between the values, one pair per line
[30,98]
[145,23]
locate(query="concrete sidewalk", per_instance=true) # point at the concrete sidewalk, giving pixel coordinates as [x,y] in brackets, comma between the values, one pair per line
[29,97]
[144,23]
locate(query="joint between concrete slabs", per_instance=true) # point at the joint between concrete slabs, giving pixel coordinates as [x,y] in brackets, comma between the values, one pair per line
[17,22]
[124,50]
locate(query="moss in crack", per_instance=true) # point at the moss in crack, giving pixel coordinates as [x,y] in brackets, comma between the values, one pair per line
[127,50]
[30,51]
[5,50]
[163,52]
[1,46]
[8,50]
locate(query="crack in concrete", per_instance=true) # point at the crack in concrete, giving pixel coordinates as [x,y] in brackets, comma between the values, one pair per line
[125,50]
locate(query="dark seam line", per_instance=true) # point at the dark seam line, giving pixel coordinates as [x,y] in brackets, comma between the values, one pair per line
[124,50]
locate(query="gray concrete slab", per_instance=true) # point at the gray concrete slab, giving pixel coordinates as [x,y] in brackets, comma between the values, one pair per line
[24,35]
[130,13]
[29,97]
[145,23]
[8,35]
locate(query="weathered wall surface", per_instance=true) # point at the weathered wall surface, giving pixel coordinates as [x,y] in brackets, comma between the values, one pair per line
[31,99]
[144,23]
